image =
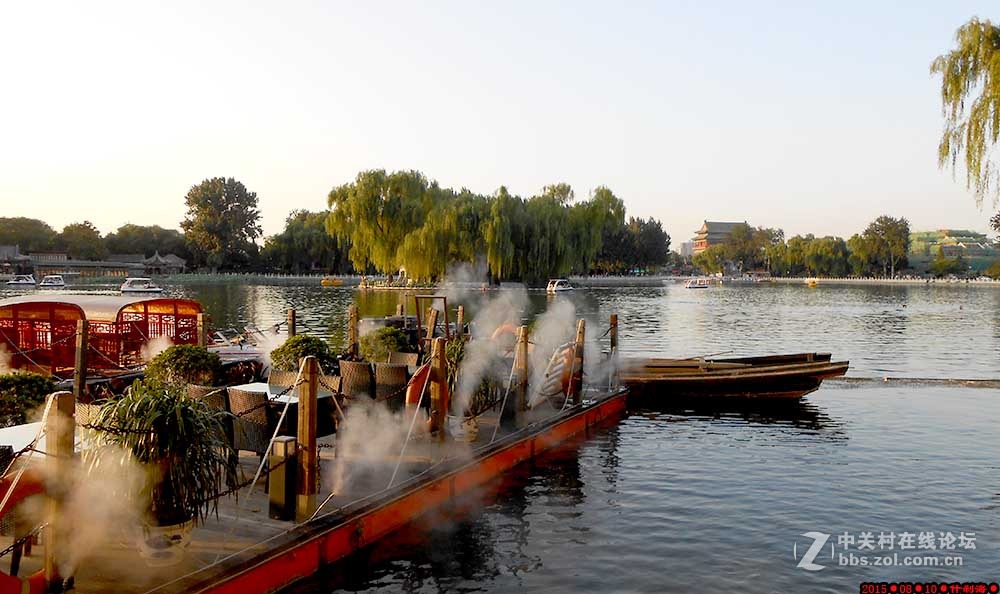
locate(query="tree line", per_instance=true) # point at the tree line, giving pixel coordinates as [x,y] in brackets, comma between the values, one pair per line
[880,250]
[381,223]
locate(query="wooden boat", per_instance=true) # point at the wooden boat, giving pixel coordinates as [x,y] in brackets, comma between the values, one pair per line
[697,283]
[790,376]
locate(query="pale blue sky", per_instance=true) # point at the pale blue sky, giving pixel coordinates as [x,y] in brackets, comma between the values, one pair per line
[814,117]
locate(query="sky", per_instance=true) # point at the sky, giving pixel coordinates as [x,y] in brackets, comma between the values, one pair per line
[815,117]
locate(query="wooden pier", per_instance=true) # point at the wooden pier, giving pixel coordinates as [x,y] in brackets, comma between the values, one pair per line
[244,548]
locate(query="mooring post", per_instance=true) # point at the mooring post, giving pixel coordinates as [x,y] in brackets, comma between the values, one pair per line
[399,309]
[432,320]
[80,362]
[308,457]
[281,483]
[202,330]
[521,375]
[460,322]
[439,387]
[290,316]
[352,330]
[59,437]
[581,330]
[613,380]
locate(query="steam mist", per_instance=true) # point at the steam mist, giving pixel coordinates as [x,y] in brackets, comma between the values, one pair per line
[154,347]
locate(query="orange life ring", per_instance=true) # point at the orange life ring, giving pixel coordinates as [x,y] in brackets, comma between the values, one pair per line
[504,329]
[29,484]
[416,385]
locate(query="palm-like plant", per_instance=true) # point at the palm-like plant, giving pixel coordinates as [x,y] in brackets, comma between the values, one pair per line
[181,443]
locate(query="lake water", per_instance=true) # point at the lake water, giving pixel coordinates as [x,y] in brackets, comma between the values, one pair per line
[719,499]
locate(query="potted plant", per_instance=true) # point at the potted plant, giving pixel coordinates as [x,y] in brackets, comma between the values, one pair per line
[376,346]
[287,356]
[185,363]
[180,444]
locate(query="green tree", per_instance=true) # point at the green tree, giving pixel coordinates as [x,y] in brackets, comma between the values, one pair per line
[222,223]
[30,235]
[943,266]
[82,241]
[710,260]
[887,239]
[970,103]
[147,240]
[305,245]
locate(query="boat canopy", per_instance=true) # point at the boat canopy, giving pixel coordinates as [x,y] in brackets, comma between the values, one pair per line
[38,330]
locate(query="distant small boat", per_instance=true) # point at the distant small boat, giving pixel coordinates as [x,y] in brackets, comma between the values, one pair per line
[140,285]
[52,281]
[697,283]
[811,282]
[22,280]
[331,282]
[558,285]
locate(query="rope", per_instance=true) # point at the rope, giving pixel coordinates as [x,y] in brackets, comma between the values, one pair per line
[503,404]
[409,432]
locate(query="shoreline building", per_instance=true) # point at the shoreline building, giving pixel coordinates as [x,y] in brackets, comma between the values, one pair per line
[712,233]
[975,248]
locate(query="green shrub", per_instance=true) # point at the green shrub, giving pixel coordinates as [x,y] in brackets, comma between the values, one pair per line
[184,364]
[287,356]
[994,270]
[376,346]
[20,393]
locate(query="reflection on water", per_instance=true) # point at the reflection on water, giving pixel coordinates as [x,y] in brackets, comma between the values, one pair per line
[718,495]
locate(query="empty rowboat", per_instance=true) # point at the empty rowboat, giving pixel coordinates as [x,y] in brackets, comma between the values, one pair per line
[789,376]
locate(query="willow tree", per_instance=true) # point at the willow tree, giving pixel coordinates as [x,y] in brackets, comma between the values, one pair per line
[499,234]
[970,103]
[375,213]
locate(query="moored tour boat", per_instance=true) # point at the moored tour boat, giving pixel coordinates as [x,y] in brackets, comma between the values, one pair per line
[21,280]
[776,376]
[140,285]
[52,281]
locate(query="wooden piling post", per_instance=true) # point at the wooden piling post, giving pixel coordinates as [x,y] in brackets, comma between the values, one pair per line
[59,437]
[291,322]
[613,380]
[581,330]
[202,330]
[432,320]
[308,457]
[460,321]
[521,374]
[614,334]
[352,330]
[80,362]
[439,387]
